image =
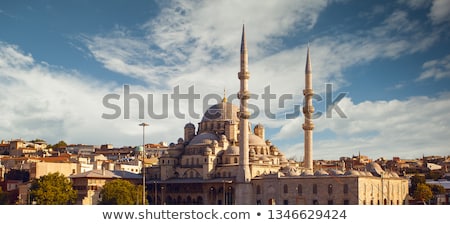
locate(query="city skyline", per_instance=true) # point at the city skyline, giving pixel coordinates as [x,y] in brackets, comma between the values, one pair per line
[387,60]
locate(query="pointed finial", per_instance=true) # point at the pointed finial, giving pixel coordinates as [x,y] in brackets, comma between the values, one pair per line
[243,42]
[224,100]
[308,62]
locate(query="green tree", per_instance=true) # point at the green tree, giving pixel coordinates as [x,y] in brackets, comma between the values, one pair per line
[423,193]
[437,189]
[416,180]
[37,140]
[53,189]
[121,192]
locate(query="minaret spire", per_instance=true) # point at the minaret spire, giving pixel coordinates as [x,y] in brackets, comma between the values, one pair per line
[308,111]
[243,178]
[244,51]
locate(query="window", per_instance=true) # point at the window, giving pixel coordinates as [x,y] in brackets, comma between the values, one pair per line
[330,202]
[285,202]
[314,188]
[347,202]
[285,188]
[299,189]
[315,202]
[330,189]
[345,188]
[258,189]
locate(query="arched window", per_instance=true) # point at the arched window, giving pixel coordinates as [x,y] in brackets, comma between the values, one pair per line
[285,189]
[346,188]
[258,189]
[314,189]
[330,189]
[299,189]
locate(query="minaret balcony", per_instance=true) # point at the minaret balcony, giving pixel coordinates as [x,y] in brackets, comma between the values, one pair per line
[244,75]
[244,115]
[308,109]
[308,126]
[308,91]
[244,95]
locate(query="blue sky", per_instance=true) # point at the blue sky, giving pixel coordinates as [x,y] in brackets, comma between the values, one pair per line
[390,60]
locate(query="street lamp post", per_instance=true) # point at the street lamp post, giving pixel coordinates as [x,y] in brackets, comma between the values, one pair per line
[143,160]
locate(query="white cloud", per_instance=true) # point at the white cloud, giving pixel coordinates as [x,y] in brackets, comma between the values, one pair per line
[188,36]
[440,11]
[437,69]
[408,129]
[41,101]
[416,4]
[196,43]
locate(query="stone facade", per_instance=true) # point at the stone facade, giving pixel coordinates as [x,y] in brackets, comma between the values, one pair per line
[224,161]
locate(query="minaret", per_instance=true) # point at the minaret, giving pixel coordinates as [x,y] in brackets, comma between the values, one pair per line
[243,187]
[308,111]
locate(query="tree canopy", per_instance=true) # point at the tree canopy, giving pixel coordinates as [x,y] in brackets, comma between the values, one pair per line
[53,189]
[121,192]
[423,192]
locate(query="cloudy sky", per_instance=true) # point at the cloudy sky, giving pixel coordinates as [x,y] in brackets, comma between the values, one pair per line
[68,70]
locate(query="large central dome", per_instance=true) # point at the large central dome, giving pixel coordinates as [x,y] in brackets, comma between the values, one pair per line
[223,111]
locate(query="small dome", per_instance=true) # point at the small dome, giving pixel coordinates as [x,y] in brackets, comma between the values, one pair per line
[264,158]
[352,173]
[220,112]
[334,172]
[189,125]
[291,171]
[208,151]
[203,138]
[255,140]
[374,168]
[320,173]
[232,150]
[308,173]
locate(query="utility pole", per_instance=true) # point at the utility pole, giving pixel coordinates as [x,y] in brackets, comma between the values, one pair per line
[143,160]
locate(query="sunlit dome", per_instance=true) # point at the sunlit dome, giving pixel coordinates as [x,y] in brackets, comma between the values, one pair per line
[204,138]
[222,112]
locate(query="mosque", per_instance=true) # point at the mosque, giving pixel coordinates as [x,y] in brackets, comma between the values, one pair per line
[225,161]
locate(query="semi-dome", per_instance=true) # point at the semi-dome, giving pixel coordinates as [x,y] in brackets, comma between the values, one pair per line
[204,138]
[256,140]
[221,112]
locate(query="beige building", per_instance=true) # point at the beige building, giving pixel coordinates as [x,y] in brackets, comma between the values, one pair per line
[224,160]
[89,184]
